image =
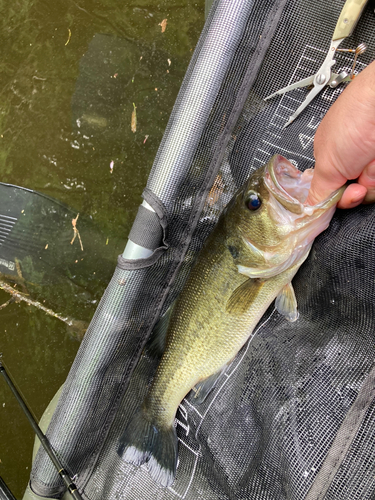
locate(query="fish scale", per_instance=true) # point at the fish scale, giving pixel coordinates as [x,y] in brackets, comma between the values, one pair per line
[250,258]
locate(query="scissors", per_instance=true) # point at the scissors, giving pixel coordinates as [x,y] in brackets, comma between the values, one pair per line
[346,23]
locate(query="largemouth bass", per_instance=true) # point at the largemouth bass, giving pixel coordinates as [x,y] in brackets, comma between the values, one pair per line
[249,259]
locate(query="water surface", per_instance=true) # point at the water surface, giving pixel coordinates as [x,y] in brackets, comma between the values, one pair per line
[71,73]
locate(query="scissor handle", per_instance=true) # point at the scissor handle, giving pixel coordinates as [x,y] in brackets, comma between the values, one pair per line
[348,19]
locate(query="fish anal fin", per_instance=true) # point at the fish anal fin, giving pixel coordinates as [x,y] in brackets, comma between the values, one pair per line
[286,303]
[202,389]
[243,296]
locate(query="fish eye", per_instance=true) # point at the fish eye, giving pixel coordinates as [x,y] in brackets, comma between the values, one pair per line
[253,201]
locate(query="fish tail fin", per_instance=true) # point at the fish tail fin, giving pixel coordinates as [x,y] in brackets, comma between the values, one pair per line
[143,441]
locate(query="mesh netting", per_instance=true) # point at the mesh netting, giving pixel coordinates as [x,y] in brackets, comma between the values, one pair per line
[293,413]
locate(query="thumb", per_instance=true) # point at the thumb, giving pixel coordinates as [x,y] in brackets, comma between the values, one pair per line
[323,185]
[367,179]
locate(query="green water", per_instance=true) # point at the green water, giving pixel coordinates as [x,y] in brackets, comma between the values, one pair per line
[64,119]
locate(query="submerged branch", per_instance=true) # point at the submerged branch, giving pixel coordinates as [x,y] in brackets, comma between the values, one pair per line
[3,306]
[78,326]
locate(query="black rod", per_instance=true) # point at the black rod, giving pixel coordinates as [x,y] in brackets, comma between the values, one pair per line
[5,493]
[42,438]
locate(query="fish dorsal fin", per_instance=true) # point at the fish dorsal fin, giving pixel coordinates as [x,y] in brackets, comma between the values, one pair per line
[200,391]
[156,344]
[243,296]
[286,303]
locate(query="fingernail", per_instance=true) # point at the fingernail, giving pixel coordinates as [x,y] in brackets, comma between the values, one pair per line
[370,170]
[370,196]
[357,199]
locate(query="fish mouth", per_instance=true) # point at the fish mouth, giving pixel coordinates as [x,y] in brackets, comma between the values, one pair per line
[291,187]
[301,223]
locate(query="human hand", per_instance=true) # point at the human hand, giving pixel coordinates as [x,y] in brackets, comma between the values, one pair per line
[344,145]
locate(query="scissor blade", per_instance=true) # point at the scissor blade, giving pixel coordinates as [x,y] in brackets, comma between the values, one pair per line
[301,83]
[310,96]
[320,79]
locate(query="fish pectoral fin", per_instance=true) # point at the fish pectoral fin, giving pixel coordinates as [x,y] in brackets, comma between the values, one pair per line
[156,344]
[243,296]
[286,303]
[200,391]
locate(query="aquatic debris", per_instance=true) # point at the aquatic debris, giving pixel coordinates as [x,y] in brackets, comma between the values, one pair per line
[76,232]
[134,119]
[21,280]
[78,326]
[216,191]
[163,25]
[111,165]
[69,37]
[3,306]
[94,120]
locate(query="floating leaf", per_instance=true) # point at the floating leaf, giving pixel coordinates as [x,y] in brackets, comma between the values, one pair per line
[69,36]
[76,233]
[163,25]
[134,119]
